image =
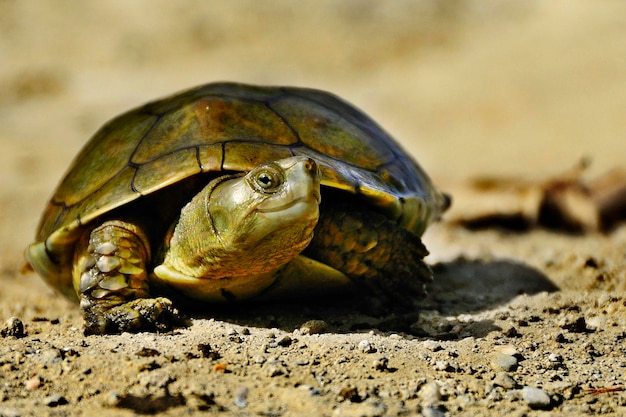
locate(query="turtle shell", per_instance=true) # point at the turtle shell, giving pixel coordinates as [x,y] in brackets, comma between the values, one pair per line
[233,127]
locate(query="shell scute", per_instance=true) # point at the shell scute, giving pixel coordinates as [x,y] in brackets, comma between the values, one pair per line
[331,134]
[118,189]
[210,156]
[106,155]
[228,119]
[244,155]
[158,173]
[172,132]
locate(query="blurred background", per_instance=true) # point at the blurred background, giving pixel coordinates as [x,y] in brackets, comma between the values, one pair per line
[473,88]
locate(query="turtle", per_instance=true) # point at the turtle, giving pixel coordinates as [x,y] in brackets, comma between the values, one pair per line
[228,192]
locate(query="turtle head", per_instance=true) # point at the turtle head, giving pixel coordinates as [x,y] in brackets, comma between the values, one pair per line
[245,226]
[278,197]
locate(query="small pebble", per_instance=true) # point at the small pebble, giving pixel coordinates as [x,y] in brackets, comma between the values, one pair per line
[349,393]
[535,397]
[13,327]
[221,368]
[495,395]
[241,397]
[147,352]
[313,327]
[342,359]
[432,412]
[54,400]
[571,391]
[33,383]
[284,341]
[511,332]
[504,380]
[430,393]
[432,345]
[504,362]
[112,399]
[366,347]
[595,323]
[578,325]
[260,359]
[275,368]
[381,364]
[68,351]
[208,352]
[560,338]
[50,356]
[425,356]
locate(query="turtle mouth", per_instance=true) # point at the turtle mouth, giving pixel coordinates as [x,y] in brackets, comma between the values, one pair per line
[304,199]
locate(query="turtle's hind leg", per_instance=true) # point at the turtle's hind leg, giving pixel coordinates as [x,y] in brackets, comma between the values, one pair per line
[111,281]
[377,254]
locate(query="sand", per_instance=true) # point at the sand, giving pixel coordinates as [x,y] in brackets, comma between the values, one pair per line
[525,322]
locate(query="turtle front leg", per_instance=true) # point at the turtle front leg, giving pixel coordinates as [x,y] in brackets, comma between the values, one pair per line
[111,280]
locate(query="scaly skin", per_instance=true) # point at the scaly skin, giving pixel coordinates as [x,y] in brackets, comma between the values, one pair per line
[111,280]
[373,251]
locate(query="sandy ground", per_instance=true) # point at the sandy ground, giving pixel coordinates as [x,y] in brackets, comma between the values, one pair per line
[526,323]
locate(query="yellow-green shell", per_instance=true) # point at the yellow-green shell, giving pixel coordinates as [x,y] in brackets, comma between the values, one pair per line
[234,127]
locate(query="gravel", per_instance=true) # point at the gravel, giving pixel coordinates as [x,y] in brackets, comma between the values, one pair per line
[13,328]
[55,400]
[535,397]
[504,380]
[554,302]
[430,393]
[504,362]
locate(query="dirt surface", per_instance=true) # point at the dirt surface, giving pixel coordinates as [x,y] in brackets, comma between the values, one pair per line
[524,323]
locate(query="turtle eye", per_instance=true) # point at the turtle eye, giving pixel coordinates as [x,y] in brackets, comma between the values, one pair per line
[267,179]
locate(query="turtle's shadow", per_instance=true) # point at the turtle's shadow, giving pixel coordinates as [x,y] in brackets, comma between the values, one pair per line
[468,286]
[460,287]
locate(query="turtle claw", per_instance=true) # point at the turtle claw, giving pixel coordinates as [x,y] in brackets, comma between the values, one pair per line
[142,314]
[112,282]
